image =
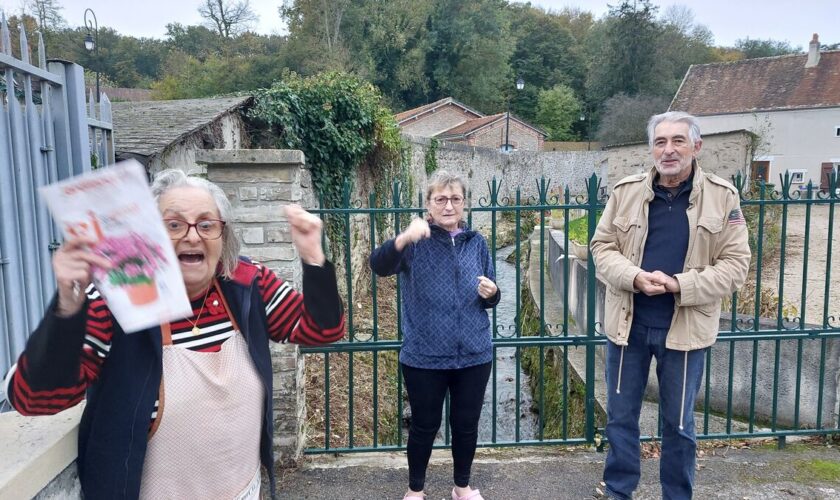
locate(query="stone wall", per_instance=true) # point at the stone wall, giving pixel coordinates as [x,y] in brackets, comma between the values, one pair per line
[520,169]
[723,154]
[258,183]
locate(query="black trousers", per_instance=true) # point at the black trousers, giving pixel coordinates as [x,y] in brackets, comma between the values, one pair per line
[426,392]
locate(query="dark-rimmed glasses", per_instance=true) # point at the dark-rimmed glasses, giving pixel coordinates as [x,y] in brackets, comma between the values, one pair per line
[441,201]
[207,229]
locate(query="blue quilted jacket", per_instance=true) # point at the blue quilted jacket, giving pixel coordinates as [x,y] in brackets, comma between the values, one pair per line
[444,320]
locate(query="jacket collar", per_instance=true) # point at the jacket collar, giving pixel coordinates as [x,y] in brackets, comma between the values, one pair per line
[696,185]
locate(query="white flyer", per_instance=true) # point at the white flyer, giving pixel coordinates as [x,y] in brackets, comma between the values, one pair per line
[115,207]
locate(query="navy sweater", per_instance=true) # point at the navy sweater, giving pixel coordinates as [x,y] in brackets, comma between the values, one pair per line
[444,320]
[665,249]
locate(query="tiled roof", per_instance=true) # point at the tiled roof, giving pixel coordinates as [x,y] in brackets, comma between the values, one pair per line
[411,113]
[146,128]
[764,84]
[471,126]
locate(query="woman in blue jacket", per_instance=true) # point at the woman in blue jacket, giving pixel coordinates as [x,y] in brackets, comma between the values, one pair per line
[447,281]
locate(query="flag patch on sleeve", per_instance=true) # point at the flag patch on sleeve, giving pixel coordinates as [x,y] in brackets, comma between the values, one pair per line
[736,217]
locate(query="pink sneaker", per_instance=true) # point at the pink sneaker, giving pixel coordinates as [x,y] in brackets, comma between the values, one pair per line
[473,495]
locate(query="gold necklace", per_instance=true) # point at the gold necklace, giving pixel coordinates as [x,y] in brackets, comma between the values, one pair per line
[195,329]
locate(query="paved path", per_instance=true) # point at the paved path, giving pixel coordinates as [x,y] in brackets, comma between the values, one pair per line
[564,473]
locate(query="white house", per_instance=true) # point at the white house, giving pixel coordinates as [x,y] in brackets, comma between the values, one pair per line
[792,104]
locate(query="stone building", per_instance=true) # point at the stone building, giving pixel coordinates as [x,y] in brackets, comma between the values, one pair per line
[167,134]
[791,102]
[454,122]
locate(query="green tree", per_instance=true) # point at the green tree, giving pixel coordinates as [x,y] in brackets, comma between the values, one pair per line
[197,41]
[469,49]
[755,48]
[316,41]
[386,41]
[624,58]
[557,112]
[625,117]
[546,55]
[186,77]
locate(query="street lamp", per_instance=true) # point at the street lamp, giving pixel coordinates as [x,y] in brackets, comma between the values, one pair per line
[92,43]
[583,116]
[520,84]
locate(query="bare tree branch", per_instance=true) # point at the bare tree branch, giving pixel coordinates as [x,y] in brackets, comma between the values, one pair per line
[228,18]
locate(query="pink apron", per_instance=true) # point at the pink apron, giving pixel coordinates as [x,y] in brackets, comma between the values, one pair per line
[205,441]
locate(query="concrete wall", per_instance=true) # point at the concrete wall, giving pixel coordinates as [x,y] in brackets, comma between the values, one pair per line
[798,139]
[259,183]
[39,455]
[742,367]
[723,154]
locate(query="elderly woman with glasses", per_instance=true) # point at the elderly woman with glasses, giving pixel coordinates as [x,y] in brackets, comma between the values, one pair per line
[183,410]
[447,280]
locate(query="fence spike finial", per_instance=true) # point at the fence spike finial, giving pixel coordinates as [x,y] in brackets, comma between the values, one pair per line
[24,46]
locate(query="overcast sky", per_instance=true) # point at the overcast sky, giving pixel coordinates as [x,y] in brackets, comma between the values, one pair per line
[728,20]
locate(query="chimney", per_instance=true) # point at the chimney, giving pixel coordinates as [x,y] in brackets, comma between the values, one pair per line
[813,52]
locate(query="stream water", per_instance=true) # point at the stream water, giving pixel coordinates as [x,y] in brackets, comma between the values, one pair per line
[506,369]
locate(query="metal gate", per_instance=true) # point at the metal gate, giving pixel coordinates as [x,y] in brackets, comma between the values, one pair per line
[47,133]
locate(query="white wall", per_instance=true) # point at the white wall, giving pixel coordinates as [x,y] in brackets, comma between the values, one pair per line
[801,139]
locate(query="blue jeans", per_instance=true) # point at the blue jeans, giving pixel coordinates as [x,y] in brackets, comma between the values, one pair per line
[676,465]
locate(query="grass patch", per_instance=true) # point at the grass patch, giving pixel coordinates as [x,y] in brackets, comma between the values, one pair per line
[578,228]
[823,470]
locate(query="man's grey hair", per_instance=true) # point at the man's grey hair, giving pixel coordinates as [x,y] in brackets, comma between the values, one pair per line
[174,178]
[441,179]
[674,116]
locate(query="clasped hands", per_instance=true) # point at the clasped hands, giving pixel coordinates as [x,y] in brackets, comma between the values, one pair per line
[655,283]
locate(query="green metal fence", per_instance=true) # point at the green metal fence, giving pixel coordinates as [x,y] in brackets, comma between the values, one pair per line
[773,372]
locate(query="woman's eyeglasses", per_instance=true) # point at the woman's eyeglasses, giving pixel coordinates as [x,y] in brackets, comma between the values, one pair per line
[207,229]
[441,201]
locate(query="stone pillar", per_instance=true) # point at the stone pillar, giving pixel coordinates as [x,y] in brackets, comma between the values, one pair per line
[258,183]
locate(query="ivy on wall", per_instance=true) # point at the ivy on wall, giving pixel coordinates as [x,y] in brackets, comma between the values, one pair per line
[430,160]
[337,120]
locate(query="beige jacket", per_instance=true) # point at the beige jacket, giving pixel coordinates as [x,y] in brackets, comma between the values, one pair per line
[716,264]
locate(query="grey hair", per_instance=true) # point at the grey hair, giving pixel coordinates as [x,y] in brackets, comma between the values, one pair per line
[175,178]
[441,179]
[674,116]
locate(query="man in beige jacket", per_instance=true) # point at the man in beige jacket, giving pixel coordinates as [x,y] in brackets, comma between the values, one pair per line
[670,244]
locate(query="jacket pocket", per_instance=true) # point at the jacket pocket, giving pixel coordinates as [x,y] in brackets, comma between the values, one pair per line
[708,231]
[626,228]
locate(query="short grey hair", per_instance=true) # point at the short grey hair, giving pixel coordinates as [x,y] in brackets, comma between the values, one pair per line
[175,178]
[674,116]
[441,179]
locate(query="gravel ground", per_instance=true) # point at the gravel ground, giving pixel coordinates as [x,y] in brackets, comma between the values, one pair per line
[817,258]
